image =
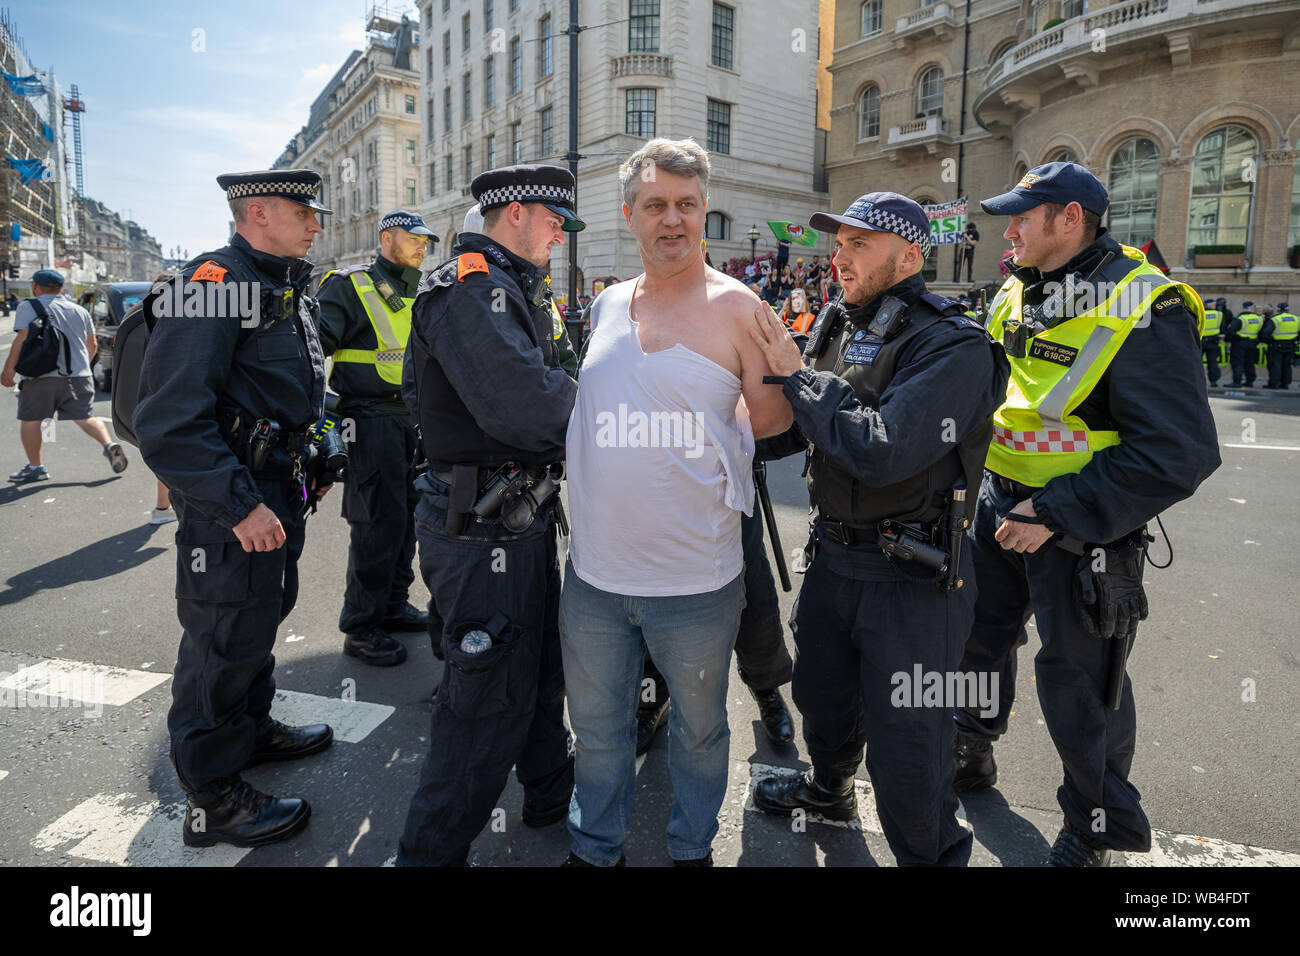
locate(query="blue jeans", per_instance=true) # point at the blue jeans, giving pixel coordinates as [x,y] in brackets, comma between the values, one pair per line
[604,637]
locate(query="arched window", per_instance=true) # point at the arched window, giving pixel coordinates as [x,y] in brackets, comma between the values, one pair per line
[929,93]
[1223,188]
[869,113]
[871,18]
[1134,176]
[1000,50]
[1062,155]
[1017,174]
[717,226]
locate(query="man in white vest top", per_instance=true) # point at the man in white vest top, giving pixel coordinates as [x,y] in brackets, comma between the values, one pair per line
[660,451]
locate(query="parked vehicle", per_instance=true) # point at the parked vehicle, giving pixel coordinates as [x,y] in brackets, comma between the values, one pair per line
[108,303]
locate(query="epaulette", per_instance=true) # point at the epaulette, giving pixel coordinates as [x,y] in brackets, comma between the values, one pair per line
[342,272]
[942,304]
[209,271]
[467,263]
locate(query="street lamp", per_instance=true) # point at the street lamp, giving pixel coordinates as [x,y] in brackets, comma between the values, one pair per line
[753,242]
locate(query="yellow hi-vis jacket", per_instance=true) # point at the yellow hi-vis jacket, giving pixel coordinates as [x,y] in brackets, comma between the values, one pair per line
[1036,436]
[1213,323]
[1250,324]
[1285,327]
[392,329]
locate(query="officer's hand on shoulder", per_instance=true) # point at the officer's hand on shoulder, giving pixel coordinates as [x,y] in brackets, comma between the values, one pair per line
[260,531]
[783,355]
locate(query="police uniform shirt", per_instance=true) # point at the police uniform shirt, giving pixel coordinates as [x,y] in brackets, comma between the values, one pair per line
[191,365]
[943,373]
[493,347]
[1153,394]
[344,324]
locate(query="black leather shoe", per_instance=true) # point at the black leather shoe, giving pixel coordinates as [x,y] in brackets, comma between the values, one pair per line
[1072,848]
[411,619]
[375,647]
[831,797]
[776,719]
[230,811]
[975,767]
[702,861]
[277,741]
[575,860]
[648,722]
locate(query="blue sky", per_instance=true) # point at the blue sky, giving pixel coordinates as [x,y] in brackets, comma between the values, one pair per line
[162,120]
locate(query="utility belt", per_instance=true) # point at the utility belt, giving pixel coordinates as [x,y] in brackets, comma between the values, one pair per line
[254,443]
[509,495]
[1014,487]
[935,546]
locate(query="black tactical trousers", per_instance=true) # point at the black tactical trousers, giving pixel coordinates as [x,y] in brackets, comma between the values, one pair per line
[1210,349]
[862,628]
[761,656]
[379,506]
[1279,364]
[1242,353]
[1095,743]
[230,603]
[501,708]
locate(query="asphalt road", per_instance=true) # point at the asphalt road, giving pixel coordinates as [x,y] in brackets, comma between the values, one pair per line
[84,579]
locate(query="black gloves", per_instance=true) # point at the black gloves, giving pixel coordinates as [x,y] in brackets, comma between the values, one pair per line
[1108,591]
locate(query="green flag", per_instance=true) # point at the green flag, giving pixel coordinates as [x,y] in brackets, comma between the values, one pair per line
[792,233]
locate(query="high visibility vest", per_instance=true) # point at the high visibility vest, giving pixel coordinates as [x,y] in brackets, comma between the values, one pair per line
[802,322]
[392,329]
[1250,323]
[1036,435]
[1213,323]
[1285,327]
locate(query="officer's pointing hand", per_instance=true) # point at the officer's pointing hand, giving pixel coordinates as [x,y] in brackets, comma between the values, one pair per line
[260,531]
[772,336]
[1019,536]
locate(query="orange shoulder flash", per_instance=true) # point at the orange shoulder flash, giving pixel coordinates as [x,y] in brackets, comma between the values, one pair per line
[210,271]
[468,263]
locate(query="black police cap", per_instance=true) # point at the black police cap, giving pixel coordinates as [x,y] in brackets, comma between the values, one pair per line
[295,185]
[552,186]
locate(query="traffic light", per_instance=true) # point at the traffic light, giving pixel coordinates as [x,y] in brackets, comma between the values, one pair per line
[13,272]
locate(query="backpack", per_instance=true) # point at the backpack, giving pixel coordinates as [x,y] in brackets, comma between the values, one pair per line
[40,354]
[128,361]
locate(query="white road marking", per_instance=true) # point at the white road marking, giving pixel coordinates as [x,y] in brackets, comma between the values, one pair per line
[1251,444]
[352,721]
[122,831]
[1179,849]
[3,774]
[867,818]
[78,682]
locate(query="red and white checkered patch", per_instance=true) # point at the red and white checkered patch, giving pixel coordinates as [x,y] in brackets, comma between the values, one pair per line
[1052,440]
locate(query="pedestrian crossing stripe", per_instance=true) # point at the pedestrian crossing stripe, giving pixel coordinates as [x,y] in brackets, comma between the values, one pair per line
[59,683]
[1167,849]
[351,721]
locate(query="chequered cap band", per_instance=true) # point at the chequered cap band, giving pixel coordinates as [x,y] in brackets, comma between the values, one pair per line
[504,195]
[388,222]
[240,190]
[1052,440]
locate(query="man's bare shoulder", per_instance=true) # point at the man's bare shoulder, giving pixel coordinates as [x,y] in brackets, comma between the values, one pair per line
[731,296]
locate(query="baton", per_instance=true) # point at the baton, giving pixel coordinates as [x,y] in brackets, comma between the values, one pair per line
[1119,645]
[769,518]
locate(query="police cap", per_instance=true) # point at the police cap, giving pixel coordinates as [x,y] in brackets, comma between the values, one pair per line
[404,219]
[1058,182]
[295,185]
[552,186]
[881,212]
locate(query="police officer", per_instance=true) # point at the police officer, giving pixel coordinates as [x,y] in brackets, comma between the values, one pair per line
[1244,345]
[1279,331]
[1105,424]
[896,406]
[232,379]
[365,322]
[1210,342]
[482,376]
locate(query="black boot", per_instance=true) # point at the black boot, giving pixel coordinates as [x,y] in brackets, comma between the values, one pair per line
[776,719]
[1073,848]
[230,811]
[649,718]
[277,741]
[975,767]
[831,797]
[410,618]
[376,647]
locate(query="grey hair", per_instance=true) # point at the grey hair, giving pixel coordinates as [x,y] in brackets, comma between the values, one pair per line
[681,157]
